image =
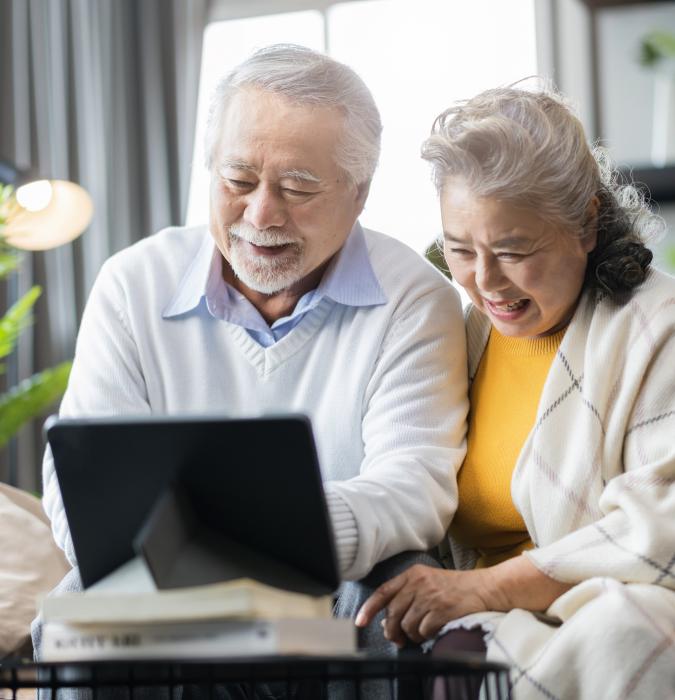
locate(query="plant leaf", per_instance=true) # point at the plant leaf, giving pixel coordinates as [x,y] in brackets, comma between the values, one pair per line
[434,254]
[656,46]
[7,204]
[16,319]
[8,263]
[30,398]
[670,256]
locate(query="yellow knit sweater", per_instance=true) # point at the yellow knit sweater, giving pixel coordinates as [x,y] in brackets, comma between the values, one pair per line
[504,398]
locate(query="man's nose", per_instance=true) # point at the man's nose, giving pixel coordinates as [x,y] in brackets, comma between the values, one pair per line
[265,209]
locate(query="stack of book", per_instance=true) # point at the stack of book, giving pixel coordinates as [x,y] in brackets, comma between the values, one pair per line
[234,618]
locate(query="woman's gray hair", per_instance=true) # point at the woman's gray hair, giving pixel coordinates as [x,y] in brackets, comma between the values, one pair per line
[307,77]
[528,148]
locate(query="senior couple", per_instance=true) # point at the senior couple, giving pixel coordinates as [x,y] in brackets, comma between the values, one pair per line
[556,489]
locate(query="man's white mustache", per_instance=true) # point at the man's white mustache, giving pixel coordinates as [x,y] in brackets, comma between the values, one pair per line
[268,238]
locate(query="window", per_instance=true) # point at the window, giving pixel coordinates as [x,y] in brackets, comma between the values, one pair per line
[416,56]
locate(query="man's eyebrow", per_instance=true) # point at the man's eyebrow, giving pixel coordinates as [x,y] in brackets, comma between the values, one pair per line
[300,174]
[236,164]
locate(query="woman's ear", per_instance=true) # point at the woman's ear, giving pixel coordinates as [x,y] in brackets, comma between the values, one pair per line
[590,235]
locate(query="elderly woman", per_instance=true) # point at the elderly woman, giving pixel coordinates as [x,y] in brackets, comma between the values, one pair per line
[563,540]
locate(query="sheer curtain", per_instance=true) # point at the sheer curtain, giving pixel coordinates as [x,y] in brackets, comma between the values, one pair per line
[103,93]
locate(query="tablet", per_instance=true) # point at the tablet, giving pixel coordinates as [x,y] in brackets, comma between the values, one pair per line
[221,498]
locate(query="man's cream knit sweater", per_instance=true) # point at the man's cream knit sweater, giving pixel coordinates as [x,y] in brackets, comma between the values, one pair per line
[384,386]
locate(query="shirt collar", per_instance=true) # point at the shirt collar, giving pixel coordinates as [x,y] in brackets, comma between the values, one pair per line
[349,278]
[193,286]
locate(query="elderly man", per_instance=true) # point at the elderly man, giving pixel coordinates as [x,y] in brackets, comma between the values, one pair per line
[284,303]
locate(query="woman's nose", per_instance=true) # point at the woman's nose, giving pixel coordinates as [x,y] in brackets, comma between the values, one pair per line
[489,276]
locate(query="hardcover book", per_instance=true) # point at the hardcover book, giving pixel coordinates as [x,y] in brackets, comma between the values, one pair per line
[239,599]
[199,640]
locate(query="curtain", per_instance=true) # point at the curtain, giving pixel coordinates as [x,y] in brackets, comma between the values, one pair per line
[104,93]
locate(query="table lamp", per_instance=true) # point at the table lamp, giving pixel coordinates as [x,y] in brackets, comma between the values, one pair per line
[48,212]
[42,214]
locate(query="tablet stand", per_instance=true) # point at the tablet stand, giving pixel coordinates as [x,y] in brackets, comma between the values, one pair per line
[180,550]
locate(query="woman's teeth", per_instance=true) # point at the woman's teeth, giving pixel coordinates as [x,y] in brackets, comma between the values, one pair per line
[511,306]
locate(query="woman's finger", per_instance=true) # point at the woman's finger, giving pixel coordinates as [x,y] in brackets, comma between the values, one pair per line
[379,600]
[397,608]
[411,622]
[432,623]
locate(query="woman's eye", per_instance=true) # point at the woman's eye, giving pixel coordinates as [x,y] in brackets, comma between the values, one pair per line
[510,256]
[460,251]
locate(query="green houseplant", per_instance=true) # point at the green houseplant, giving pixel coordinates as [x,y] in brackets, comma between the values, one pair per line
[655,47]
[32,396]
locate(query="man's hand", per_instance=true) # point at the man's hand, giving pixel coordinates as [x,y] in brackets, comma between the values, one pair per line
[422,599]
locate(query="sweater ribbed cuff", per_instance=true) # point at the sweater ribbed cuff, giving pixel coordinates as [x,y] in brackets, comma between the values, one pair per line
[344,528]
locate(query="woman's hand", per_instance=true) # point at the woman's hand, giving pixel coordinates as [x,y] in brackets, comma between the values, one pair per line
[422,599]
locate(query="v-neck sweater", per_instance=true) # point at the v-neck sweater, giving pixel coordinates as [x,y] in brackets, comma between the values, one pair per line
[384,386]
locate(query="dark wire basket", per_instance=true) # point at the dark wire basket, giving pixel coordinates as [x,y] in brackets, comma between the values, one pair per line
[414,677]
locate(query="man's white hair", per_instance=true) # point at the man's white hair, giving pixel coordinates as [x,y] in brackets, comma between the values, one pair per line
[303,76]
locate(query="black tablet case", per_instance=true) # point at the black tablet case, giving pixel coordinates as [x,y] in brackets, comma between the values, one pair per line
[202,499]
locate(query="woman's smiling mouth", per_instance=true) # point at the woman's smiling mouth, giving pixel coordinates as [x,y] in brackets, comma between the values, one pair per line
[507,309]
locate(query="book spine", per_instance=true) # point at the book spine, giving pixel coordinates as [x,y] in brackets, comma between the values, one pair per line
[72,643]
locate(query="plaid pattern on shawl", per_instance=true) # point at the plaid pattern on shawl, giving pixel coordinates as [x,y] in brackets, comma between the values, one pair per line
[595,484]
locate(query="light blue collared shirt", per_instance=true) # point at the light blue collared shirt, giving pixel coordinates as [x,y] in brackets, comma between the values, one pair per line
[349,280]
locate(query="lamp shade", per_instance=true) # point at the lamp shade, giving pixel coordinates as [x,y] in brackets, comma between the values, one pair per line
[65,217]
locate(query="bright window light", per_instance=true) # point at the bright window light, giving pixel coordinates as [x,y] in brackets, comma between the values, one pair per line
[417,58]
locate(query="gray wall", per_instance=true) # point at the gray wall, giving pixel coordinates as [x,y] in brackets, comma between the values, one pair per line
[626,89]
[618,109]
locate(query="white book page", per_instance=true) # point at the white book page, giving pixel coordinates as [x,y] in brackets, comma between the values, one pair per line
[132,577]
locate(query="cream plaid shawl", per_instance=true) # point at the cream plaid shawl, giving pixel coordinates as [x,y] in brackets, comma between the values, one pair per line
[595,484]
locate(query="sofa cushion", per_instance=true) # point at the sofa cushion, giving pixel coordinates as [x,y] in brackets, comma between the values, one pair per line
[30,565]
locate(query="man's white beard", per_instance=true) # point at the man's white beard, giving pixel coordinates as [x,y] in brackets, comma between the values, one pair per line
[267,275]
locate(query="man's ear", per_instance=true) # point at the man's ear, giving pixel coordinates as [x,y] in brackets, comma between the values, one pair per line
[362,191]
[590,239]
